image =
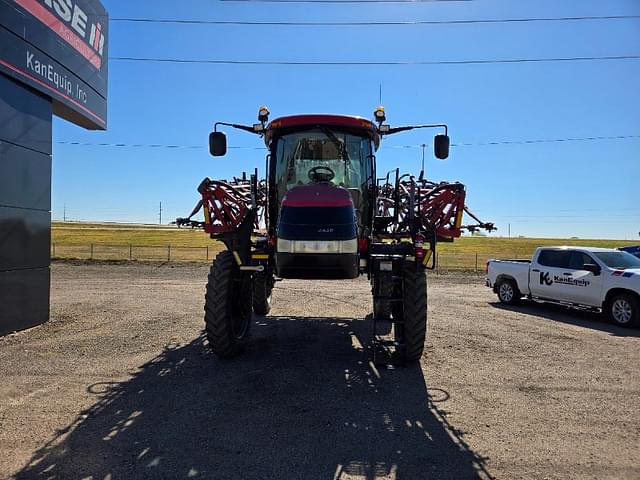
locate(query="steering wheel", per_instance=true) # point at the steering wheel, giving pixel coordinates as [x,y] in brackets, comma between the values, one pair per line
[321,174]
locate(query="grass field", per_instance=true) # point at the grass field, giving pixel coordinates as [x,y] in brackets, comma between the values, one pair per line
[114,241]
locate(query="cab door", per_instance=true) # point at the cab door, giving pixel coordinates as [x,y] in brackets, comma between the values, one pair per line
[585,286]
[547,275]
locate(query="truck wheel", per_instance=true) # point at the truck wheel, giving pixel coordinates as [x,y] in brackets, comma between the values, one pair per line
[624,310]
[413,331]
[227,308]
[262,288]
[508,292]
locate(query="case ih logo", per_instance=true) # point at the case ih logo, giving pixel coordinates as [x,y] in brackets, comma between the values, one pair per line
[70,23]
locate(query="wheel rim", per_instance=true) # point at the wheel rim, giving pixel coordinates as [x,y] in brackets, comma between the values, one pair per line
[506,292]
[621,311]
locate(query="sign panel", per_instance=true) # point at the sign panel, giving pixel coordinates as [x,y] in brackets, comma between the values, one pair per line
[59,47]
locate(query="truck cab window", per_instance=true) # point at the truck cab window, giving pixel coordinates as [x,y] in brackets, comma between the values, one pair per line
[579,259]
[554,258]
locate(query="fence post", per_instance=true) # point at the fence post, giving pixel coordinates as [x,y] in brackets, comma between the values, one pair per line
[91,254]
[54,250]
[207,247]
[168,253]
[130,252]
[476,263]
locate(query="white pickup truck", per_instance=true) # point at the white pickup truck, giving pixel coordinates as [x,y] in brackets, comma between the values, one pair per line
[597,278]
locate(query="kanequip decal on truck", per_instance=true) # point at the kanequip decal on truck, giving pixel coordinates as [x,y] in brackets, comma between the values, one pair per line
[596,278]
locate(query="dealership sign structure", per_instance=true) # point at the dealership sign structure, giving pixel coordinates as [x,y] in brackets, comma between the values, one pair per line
[53,61]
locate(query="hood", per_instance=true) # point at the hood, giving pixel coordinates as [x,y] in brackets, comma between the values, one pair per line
[318,195]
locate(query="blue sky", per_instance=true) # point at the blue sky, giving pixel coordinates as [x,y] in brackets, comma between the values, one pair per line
[588,189]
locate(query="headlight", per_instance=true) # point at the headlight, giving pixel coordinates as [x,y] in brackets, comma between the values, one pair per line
[318,246]
[284,245]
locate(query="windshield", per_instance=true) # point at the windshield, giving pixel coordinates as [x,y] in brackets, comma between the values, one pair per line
[618,259]
[345,160]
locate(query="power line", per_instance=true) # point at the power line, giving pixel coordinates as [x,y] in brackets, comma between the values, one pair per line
[371,24]
[503,142]
[365,62]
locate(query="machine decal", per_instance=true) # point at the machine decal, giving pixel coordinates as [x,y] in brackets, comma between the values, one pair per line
[622,273]
[545,278]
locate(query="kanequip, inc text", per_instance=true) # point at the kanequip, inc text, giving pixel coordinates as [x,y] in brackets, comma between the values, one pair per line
[49,73]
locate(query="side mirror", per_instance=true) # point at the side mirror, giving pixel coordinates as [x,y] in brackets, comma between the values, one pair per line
[441,146]
[217,144]
[592,267]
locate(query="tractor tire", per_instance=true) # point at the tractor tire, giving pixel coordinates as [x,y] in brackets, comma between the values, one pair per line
[624,310]
[382,309]
[262,287]
[227,308]
[413,312]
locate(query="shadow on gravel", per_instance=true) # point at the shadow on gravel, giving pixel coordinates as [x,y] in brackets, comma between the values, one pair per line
[580,318]
[301,403]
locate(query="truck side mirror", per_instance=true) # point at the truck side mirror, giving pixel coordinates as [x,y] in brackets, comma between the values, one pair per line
[592,267]
[217,144]
[441,146]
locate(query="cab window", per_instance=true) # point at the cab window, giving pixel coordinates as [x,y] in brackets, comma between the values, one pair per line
[554,258]
[579,259]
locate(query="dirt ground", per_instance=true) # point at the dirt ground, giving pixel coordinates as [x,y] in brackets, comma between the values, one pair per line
[119,385]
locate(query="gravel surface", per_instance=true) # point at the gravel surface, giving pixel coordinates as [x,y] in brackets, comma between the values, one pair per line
[119,385]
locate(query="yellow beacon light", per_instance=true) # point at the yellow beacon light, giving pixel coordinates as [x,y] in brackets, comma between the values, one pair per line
[379,114]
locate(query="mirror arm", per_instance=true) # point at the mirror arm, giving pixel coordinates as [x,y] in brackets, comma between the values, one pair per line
[246,128]
[411,127]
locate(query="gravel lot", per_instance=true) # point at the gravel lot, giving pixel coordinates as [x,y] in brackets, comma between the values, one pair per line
[118,385]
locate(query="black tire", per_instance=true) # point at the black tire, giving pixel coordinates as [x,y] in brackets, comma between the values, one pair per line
[227,308]
[413,312]
[624,310]
[262,288]
[508,292]
[382,309]
[382,286]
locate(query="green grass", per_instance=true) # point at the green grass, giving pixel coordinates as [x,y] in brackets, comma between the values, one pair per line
[111,241]
[118,234]
[501,246]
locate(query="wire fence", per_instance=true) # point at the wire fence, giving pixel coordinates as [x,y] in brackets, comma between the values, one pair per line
[446,262]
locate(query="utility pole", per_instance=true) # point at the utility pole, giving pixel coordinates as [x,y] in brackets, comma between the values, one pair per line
[509,230]
[160,214]
[64,213]
[423,147]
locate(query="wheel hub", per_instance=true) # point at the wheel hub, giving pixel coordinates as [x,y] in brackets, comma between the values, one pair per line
[506,292]
[621,310]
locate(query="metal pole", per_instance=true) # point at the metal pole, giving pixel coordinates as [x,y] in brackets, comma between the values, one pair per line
[476,263]
[130,252]
[91,256]
[54,250]
[168,253]
[207,247]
